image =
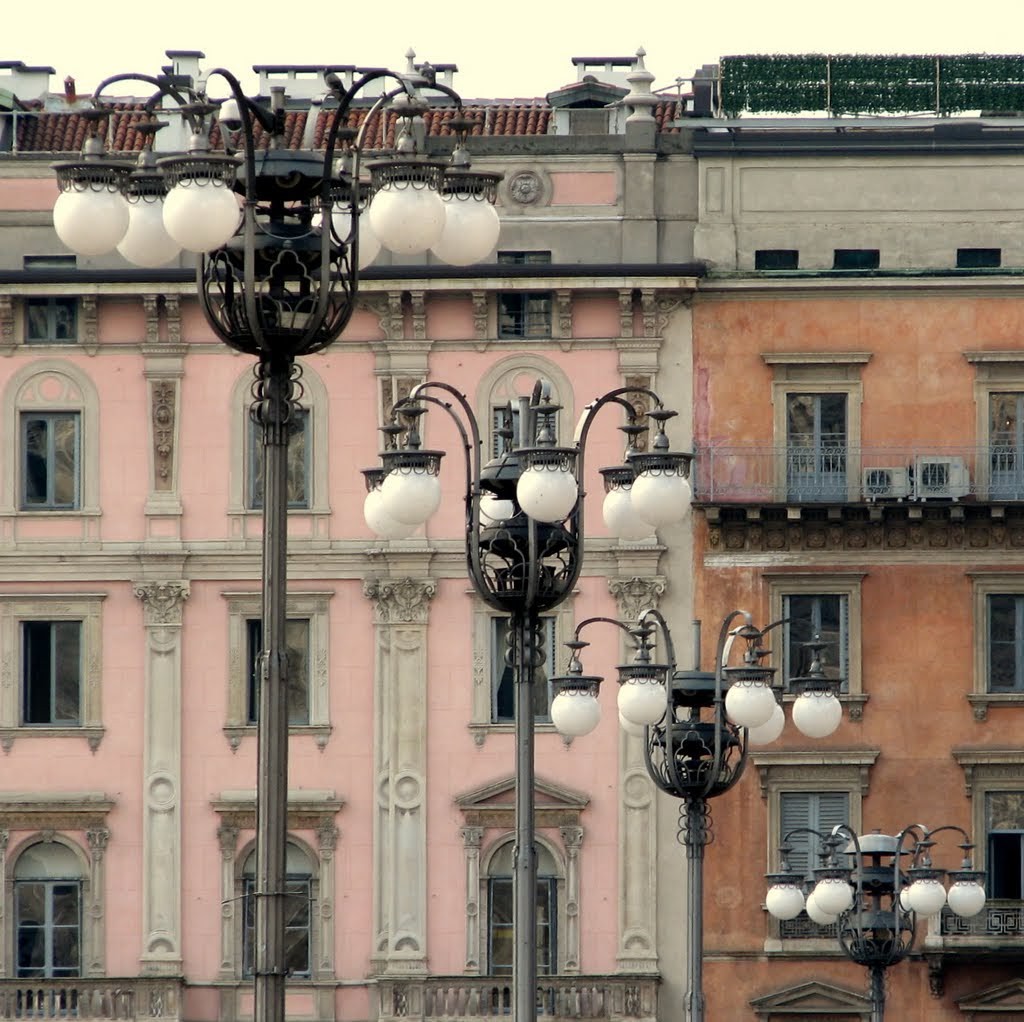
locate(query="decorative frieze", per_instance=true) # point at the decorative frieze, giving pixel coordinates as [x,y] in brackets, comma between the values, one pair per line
[164,398]
[417,300]
[938,529]
[6,324]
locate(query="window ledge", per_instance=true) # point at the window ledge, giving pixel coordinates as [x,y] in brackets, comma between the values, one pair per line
[824,947]
[480,731]
[92,734]
[55,512]
[320,732]
[981,701]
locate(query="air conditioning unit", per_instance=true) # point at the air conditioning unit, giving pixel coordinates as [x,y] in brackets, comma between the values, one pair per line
[940,477]
[885,483]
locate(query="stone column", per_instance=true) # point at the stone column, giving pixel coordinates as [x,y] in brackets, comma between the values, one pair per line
[161,798]
[6,888]
[638,836]
[97,943]
[400,766]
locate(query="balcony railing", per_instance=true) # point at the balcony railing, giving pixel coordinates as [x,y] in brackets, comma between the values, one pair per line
[1000,921]
[607,998]
[836,473]
[110,998]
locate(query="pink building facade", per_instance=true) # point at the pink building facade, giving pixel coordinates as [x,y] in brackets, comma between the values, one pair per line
[129,602]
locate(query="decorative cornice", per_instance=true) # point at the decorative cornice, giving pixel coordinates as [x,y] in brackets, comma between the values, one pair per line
[989,764]
[307,810]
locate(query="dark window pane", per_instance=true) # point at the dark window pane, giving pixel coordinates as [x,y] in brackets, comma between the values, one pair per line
[503,674]
[978,258]
[776,259]
[1004,865]
[297,918]
[297,670]
[855,259]
[49,460]
[35,433]
[500,932]
[51,681]
[48,928]
[49,320]
[1005,643]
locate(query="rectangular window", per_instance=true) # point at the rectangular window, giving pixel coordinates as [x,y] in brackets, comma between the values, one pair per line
[978,258]
[1006,445]
[298,463]
[1004,821]
[505,431]
[51,673]
[51,320]
[49,924]
[855,259]
[524,313]
[816,447]
[1005,642]
[297,915]
[500,934]
[503,697]
[824,618]
[297,632]
[50,460]
[776,259]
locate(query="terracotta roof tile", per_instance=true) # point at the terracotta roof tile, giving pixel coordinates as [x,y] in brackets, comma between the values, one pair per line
[65,131]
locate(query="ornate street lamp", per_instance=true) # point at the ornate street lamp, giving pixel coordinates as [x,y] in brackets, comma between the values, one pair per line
[697,728]
[277,234]
[873,899]
[524,547]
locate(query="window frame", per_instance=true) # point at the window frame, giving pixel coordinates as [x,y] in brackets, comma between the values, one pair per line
[244,606]
[844,584]
[846,770]
[253,644]
[986,584]
[814,372]
[52,304]
[29,685]
[995,372]
[500,622]
[507,298]
[49,503]
[85,608]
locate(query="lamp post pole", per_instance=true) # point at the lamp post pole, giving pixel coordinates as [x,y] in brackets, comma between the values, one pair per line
[875,903]
[276,280]
[524,551]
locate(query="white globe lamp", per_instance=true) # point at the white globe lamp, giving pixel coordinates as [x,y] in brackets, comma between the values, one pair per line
[966,898]
[766,733]
[91,222]
[833,895]
[547,492]
[471,229]
[750,703]
[817,714]
[784,901]
[146,242]
[201,214]
[642,700]
[411,495]
[926,896]
[575,713]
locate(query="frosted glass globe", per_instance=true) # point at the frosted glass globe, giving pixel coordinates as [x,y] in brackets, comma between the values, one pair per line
[147,242]
[90,222]
[201,217]
[642,702]
[411,497]
[636,730]
[661,498]
[494,509]
[547,493]
[766,733]
[471,229]
[926,897]
[815,912]
[817,714]
[834,896]
[369,243]
[622,521]
[575,714]
[377,518]
[966,898]
[407,220]
[784,901]
[749,705]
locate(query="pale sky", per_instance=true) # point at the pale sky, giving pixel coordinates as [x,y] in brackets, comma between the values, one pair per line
[519,48]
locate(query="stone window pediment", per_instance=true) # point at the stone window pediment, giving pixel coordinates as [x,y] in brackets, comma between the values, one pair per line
[493,805]
[813,999]
[994,1001]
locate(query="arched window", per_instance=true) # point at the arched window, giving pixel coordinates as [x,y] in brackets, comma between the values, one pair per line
[500,938]
[48,900]
[51,422]
[298,913]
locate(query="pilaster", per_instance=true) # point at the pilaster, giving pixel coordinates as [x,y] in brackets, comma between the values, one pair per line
[638,836]
[161,829]
[401,608]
